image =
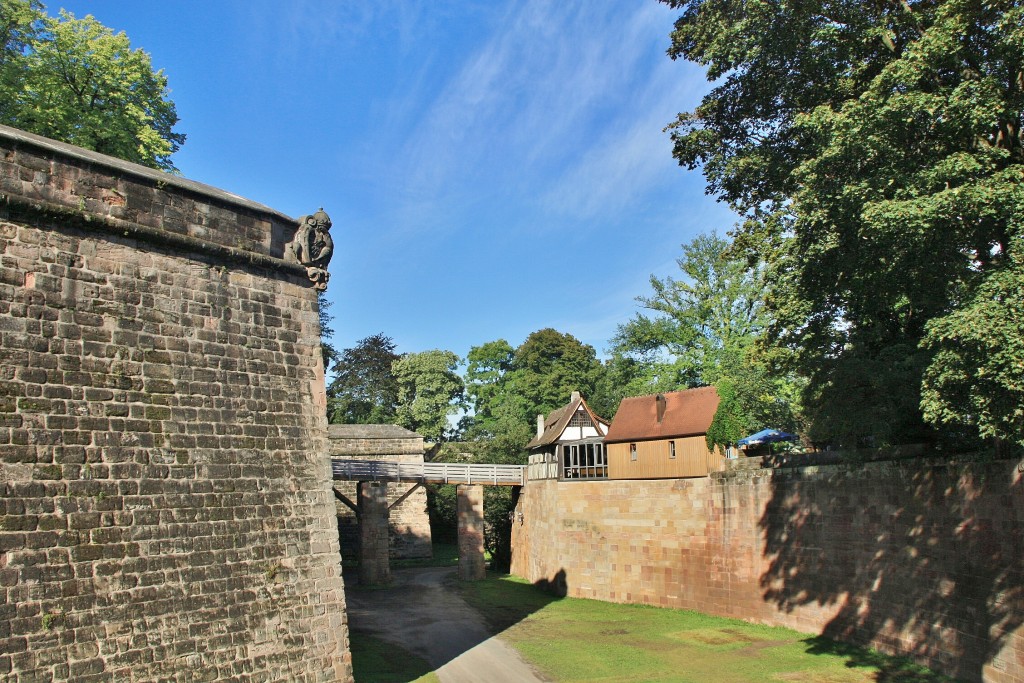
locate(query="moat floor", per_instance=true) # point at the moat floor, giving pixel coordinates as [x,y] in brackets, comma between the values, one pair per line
[417,613]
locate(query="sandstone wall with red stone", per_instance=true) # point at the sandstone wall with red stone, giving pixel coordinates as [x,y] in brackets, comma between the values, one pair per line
[917,558]
[166,511]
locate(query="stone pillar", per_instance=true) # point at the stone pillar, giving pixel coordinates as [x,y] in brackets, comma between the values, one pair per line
[471,532]
[373,533]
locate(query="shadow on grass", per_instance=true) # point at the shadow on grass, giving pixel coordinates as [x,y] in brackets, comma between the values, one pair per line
[890,669]
[377,661]
[504,600]
[428,617]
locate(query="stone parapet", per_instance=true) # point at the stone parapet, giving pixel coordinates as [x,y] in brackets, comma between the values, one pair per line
[44,178]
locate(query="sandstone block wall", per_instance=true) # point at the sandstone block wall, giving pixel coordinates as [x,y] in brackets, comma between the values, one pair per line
[166,511]
[919,558]
[470,513]
[409,526]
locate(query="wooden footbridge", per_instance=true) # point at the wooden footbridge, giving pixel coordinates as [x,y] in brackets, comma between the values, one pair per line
[350,469]
[372,508]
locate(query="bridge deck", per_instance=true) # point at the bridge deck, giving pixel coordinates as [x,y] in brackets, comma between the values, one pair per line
[428,472]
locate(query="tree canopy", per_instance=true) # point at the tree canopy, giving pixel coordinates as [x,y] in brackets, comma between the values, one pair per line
[703,330]
[548,366]
[712,313]
[509,387]
[430,391]
[364,390]
[873,150]
[77,81]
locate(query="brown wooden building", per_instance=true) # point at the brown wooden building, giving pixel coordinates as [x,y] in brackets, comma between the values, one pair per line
[661,436]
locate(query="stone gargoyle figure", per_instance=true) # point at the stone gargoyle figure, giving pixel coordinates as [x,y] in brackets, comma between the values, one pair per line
[313,247]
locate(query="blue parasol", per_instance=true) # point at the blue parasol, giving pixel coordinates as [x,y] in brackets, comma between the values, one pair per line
[766,436]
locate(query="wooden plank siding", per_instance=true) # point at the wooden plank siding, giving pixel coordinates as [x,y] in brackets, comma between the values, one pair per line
[693,459]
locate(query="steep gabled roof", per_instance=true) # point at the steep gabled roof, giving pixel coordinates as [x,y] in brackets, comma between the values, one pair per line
[686,413]
[556,421]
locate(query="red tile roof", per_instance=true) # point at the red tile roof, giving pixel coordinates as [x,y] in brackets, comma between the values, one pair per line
[687,413]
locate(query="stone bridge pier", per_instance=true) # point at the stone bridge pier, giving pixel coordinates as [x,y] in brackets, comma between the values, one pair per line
[374,522]
[373,513]
[470,512]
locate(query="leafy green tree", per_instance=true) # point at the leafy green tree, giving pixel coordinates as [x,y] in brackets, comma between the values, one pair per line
[712,314]
[547,367]
[486,378]
[977,374]
[77,81]
[752,397]
[874,152]
[705,331]
[507,390]
[621,375]
[430,391]
[365,390]
[19,22]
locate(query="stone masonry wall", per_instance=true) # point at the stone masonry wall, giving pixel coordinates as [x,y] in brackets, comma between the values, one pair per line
[922,559]
[409,524]
[166,511]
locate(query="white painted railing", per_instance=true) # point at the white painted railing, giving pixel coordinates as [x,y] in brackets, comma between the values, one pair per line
[428,472]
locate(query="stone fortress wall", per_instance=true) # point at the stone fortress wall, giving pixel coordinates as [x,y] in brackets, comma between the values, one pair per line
[917,558]
[166,511]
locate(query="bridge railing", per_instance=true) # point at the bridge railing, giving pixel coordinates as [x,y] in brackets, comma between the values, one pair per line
[428,472]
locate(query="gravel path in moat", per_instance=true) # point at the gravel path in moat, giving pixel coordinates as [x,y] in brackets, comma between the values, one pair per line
[417,613]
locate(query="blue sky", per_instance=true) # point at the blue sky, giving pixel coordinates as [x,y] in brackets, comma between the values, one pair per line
[491,168]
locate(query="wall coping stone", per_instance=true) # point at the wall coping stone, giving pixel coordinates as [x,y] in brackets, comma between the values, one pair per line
[120,226]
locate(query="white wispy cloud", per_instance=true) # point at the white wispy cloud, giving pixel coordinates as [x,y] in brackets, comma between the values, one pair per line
[547,104]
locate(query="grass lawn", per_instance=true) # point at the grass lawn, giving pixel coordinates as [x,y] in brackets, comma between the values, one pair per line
[444,555]
[588,640]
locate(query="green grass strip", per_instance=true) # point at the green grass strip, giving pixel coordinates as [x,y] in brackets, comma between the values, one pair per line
[592,641]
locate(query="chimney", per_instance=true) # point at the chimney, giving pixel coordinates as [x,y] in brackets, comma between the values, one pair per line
[661,402]
[540,426]
[575,397]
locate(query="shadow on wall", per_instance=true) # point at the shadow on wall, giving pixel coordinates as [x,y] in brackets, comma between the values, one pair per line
[920,559]
[556,585]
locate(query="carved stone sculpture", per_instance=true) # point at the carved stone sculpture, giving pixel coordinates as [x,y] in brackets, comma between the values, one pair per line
[313,247]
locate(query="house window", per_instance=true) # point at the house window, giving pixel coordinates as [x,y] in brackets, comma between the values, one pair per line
[671,450]
[632,451]
[580,419]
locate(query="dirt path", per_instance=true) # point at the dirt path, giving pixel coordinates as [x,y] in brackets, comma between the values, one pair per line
[419,614]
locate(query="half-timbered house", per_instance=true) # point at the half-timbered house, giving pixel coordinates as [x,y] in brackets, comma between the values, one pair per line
[569,443]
